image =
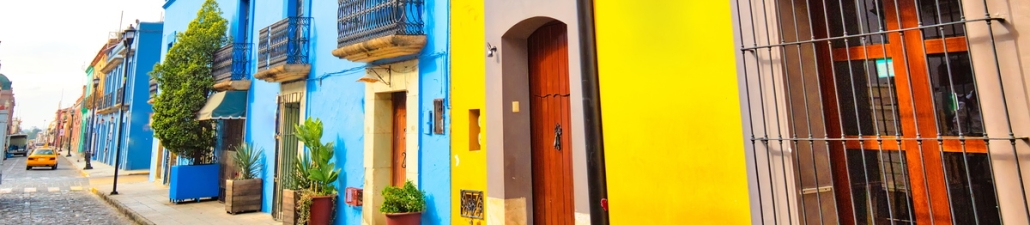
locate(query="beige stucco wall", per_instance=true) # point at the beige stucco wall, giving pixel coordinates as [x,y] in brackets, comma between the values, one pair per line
[1013,58]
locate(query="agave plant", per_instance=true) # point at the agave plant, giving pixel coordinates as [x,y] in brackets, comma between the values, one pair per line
[247,159]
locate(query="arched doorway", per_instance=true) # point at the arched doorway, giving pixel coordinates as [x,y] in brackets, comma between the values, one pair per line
[550,125]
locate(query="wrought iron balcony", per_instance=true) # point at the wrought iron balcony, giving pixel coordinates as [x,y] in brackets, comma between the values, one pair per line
[229,66]
[120,97]
[370,30]
[283,50]
[153,89]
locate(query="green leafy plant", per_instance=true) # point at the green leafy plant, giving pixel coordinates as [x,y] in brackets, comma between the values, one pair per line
[247,160]
[314,163]
[403,200]
[316,175]
[185,81]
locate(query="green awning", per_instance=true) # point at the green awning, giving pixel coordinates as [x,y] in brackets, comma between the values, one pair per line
[225,105]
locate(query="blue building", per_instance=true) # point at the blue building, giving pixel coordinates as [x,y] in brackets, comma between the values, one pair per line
[388,128]
[230,70]
[133,109]
[375,73]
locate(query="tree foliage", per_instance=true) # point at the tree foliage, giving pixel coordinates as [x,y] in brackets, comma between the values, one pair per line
[185,81]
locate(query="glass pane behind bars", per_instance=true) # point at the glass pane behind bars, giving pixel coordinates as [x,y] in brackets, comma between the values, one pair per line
[867,98]
[954,93]
[859,18]
[933,12]
[971,188]
[880,187]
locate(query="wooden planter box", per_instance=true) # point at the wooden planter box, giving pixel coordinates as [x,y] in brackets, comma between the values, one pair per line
[289,207]
[242,195]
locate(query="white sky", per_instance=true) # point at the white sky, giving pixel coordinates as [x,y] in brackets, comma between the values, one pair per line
[46,44]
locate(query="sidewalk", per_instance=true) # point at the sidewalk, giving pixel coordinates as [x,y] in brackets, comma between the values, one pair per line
[147,202]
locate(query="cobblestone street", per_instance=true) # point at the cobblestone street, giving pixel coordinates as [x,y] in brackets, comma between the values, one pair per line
[44,196]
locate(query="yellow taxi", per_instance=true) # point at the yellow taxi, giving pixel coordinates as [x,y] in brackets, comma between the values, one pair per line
[42,157]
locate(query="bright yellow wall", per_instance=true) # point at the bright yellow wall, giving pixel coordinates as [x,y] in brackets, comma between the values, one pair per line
[672,126]
[101,75]
[468,66]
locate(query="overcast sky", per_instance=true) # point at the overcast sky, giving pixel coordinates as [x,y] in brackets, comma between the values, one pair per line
[46,44]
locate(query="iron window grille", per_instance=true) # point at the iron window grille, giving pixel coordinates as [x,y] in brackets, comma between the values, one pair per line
[881,112]
[472,204]
[362,20]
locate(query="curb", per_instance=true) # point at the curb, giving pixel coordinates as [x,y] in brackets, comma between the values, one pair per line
[81,171]
[135,217]
[85,174]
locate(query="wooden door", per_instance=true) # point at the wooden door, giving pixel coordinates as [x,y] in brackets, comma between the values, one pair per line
[904,106]
[550,134]
[399,164]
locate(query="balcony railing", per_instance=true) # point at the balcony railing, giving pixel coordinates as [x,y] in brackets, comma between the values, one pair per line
[120,99]
[362,20]
[284,42]
[231,62]
[371,30]
[153,88]
[105,102]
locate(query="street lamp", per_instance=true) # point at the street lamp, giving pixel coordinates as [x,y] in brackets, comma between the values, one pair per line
[68,141]
[93,119]
[128,36]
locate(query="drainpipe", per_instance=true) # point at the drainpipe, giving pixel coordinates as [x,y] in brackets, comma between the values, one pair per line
[597,181]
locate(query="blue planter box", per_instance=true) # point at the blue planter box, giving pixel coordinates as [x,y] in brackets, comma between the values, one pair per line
[193,182]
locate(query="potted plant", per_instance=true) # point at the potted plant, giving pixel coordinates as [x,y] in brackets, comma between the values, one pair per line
[316,204]
[403,206]
[243,193]
[291,195]
[185,80]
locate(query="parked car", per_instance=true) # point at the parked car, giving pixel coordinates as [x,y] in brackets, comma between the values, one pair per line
[42,157]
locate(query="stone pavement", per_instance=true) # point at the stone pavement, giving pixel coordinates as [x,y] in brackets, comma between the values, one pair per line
[45,196]
[147,202]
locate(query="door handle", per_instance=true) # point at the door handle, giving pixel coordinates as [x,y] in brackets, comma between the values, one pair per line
[404,161]
[557,136]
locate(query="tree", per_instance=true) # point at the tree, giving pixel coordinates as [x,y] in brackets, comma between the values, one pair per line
[185,81]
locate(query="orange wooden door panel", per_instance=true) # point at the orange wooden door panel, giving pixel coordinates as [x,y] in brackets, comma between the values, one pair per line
[550,123]
[399,153]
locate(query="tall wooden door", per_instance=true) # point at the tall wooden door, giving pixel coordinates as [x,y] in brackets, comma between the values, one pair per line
[904,104]
[399,164]
[549,112]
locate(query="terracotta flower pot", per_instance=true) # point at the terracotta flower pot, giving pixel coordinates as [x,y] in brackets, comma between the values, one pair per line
[414,218]
[322,210]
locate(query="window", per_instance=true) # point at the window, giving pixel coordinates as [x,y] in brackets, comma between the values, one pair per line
[868,112]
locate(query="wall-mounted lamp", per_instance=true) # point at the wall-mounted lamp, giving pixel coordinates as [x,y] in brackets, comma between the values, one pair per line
[490,50]
[370,78]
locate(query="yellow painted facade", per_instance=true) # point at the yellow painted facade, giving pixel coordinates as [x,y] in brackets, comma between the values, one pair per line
[468,166]
[97,73]
[672,123]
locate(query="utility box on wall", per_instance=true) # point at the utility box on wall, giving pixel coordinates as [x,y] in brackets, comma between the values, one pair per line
[353,196]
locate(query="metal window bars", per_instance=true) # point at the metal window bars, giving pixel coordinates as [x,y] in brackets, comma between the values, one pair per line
[284,42]
[362,20]
[881,112]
